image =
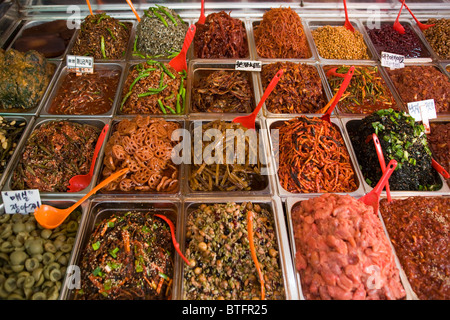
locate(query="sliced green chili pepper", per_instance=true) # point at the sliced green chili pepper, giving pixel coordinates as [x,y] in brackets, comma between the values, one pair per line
[167,13]
[111,33]
[102,46]
[162,106]
[159,17]
[170,74]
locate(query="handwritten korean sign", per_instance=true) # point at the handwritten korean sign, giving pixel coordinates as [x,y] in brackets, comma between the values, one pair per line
[21,201]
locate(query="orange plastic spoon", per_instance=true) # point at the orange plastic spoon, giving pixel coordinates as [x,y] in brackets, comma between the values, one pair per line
[81,181]
[373,197]
[179,62]
[50,217]
[248,121]
[90,8]
[134,10]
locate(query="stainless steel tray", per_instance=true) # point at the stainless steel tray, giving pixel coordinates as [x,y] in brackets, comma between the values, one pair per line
[291,202]
[262,156]
[29,120]
[274,206]
[98,209]
[97,122]
[62,203]
[271,123]
[37,108]
[45,111]
[444,189]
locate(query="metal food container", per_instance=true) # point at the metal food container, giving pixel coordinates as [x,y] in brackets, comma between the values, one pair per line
[437,15]
[274,206]
[290,205]
[197,71]
[45,111]
[29,120]
[273,124]
[99,209]
[316,24]
[64,263]
[98,177]
[351,122]
[254,23]
[382,72]
[117,112]
[426,55]
[33,23]
[263,189]
[37,108]
[192,56]
[129,45]
[403,275]
[325,90]
[397,93]
[97,122]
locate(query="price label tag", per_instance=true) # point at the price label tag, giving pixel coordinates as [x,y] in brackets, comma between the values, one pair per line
[21,201]
[423,111]
[248,65]
[391,60]
[80,64]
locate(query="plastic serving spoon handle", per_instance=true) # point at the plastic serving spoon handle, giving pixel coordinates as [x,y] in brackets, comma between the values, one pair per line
[50,217]
[89,6]
[372,198]
[248,121]
[377,144]
[421,25]
[179,62]
[347,23]
[202,18]
[134,10]
[440,169]
[397,26]
[81,181]
[338,95]
[174,241]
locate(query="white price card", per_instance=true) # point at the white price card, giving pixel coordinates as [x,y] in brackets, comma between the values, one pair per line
[392,60]
[21,201]
[80,64]
[423,111]
[248,65]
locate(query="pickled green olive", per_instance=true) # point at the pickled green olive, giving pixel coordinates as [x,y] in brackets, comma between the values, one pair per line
[18,258]
[10,284]
[31,264]
[7,247]
[35,247]
[18,227]
[66,247]
[48,258]
[4,218]
[72,226]
[29,282]
[15,296]
[50,247]
[55,275]
[30,226]
[46,233]
[39,296]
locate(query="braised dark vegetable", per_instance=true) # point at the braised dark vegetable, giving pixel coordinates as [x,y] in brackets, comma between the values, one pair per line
[223,91]
[10,133]
[56,151]
[24,77]
[221,36]
[129,256]
[102,37]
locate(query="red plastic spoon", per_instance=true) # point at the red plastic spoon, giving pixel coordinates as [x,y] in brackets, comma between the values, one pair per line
[421,25]
[347,23]
[248,121]
[179,62]
[81,181]
[440,169]
[376,141]
[332,73]
[338,95]
[202,18]
[373,197]
[397,26]
[174,241]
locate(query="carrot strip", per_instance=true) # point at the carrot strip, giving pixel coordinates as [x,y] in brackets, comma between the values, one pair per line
[253,251]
